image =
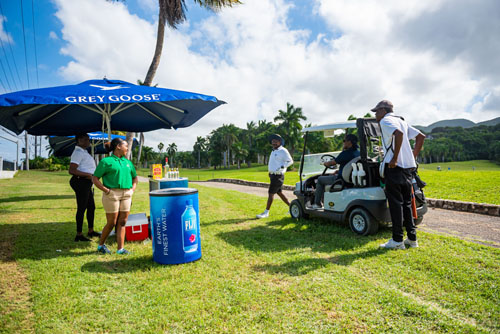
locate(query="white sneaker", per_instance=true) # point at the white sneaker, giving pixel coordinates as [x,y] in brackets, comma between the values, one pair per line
[391,244]
[314,207]
[113,232]
[410,243]
[263,215]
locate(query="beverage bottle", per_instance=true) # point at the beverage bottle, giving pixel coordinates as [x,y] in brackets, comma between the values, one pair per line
[166,168]
[189,228]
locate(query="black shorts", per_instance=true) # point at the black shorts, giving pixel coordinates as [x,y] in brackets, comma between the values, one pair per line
[276,183]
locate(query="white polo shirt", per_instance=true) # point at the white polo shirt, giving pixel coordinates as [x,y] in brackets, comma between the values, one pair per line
[278,158]
[388,125]
[83,159]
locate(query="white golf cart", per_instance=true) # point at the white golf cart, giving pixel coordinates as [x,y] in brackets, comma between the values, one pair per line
[357,196]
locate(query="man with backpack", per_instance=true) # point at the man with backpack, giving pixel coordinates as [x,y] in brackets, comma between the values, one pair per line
[396,169]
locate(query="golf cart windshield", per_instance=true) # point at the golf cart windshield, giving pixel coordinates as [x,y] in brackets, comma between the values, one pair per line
[313,164]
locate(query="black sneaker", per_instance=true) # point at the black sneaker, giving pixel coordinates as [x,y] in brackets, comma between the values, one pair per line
[80,237]
[93,234]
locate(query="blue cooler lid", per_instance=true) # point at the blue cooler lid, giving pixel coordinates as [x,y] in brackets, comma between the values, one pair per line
[173,192]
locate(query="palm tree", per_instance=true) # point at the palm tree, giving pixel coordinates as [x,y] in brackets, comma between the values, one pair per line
[250,135]
[173,13]
[290,125]
[161,146]
[229,134]
[171,151]
[264,130]
[239,152]
[199,146]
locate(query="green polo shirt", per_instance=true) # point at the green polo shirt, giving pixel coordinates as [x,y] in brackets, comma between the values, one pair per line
[116,172]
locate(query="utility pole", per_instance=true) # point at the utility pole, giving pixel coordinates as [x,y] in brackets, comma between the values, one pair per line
[36,146]
[27,151]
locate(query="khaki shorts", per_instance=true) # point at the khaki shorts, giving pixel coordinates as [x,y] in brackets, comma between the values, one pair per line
[117,200]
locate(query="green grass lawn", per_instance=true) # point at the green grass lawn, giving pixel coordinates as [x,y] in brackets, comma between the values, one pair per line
[461,183]
[276,275]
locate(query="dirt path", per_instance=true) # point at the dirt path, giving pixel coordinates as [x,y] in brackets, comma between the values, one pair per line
[478,228]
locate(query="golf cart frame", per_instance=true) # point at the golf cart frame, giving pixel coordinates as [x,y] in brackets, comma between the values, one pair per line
[357,196]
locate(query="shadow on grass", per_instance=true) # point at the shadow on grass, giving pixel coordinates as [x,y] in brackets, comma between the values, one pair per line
[34,198]
[38,240]
[125,264]
[228,221]
[314,236]
[304,266]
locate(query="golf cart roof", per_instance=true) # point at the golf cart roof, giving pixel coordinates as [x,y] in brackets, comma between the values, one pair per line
[332,126]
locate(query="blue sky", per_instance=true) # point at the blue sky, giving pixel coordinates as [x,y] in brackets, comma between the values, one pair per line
[333,58]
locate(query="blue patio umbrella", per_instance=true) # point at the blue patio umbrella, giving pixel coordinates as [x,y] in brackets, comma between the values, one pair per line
[63,146]
[101,105]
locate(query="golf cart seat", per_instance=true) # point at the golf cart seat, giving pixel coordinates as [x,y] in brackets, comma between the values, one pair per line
[345,181]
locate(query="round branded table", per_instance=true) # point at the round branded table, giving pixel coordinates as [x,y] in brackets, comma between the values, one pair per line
[175,225]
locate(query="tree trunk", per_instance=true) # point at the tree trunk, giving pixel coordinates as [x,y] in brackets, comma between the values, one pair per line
[129,138]
[158,50]
[141,143]
[199,160]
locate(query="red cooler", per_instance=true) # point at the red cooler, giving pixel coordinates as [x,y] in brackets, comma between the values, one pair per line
[137,227]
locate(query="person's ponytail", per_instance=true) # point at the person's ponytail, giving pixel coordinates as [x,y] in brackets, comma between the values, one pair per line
[110,146]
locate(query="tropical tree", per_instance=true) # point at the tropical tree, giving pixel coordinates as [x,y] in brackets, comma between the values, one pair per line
[173,13]
[250,133]
[216,147]
[230,136]
[161,146]
[264,130]
[199,146]
[290,125]
[239,152]
[171,151]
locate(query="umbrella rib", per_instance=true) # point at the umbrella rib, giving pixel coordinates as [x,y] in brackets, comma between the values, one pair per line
[91,109]
[171,107]
[98,107]
[46,118]
[154,115]
[31,109]
[117,109]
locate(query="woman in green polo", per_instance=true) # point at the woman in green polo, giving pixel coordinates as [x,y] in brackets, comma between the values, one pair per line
[119,180]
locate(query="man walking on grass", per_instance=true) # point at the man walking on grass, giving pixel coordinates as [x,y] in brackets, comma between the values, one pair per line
[398,165]
[279,161]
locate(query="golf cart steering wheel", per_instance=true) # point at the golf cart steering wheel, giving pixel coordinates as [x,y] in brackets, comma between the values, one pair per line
[324,160]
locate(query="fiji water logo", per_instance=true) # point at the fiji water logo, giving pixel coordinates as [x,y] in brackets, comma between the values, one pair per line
[190,224]
[190,228]
[192,238]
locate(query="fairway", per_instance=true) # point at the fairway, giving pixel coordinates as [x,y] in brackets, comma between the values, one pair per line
[461,182]
[276,275]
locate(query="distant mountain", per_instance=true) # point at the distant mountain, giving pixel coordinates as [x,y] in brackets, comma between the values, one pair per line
[491,122]
[464,123]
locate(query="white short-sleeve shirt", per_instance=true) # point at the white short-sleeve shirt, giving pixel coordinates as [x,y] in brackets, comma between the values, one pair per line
[279,158]
[388,125]
[83,159]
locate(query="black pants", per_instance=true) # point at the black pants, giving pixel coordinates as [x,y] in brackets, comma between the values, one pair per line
[398,191]
[84,201]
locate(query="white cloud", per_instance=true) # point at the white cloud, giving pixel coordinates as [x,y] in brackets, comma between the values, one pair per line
[4,36]
[249,57]
[53,35]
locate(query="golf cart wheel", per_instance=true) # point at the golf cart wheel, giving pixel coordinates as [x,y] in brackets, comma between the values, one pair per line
[362,222]
[296,210]
[418,220]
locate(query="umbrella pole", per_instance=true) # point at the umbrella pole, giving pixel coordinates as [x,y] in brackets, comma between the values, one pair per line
[108,120]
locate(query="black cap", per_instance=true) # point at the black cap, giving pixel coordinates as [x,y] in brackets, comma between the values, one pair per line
[277,137]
